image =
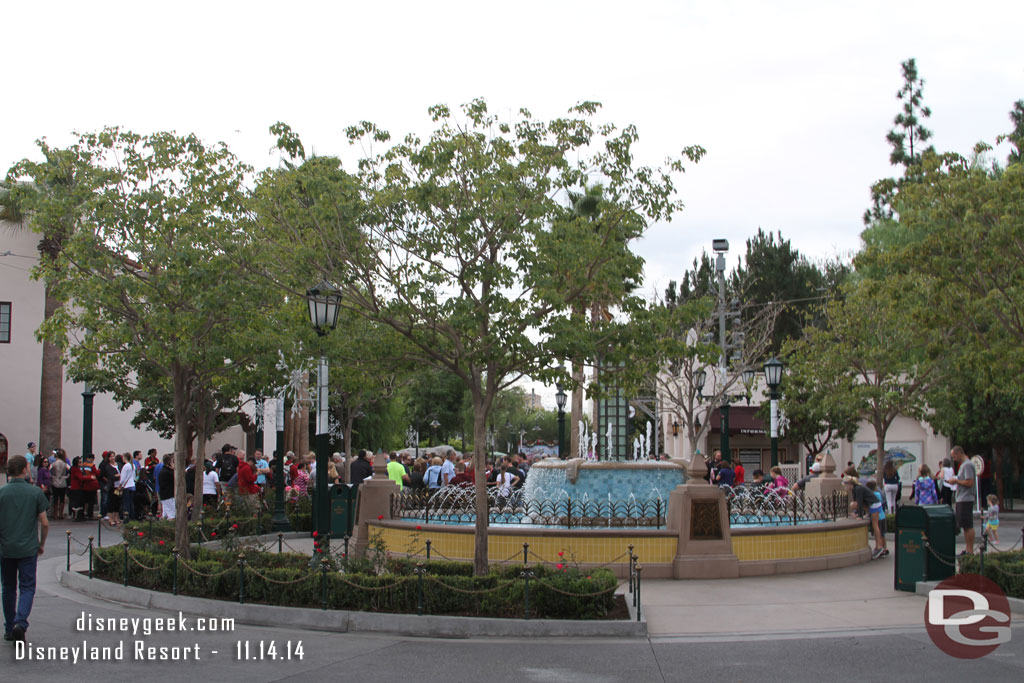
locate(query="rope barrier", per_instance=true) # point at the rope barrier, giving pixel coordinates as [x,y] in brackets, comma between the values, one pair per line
[204,575]
[99,556]
[402,580]
[149,569]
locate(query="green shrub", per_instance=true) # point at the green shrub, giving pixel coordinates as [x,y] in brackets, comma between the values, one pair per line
[1005,569]
[286,579]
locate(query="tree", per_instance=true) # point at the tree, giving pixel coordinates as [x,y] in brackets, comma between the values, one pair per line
[152,268]
[46,196]
[892,362]
[461,245]
[683,338]
[820,401]
[774,272]
[907,141]
[1016,136]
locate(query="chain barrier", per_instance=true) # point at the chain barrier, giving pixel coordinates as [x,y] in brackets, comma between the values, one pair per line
[99,556]
[402,580]
[148,569]
[939,557]
[465,591]
[277,581]
[579,595]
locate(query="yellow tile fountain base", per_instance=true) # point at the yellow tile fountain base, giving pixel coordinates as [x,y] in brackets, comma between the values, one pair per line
[767,550]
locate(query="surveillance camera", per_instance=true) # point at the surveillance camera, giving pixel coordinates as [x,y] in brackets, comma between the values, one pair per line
[720,245]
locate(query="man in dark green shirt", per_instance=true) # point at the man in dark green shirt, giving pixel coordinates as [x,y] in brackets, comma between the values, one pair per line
[22,507]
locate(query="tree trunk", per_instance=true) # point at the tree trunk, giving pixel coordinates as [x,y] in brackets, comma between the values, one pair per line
[480,563]
[997,472]
[880,456]
[200,470]
[51,386]
[181,392]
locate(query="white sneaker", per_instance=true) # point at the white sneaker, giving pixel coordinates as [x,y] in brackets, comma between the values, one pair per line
[106,519]
[876,553]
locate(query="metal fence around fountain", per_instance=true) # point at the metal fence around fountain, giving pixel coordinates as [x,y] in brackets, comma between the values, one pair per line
[457,505]
[761,507]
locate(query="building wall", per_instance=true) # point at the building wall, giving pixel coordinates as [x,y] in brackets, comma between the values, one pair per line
[20,371]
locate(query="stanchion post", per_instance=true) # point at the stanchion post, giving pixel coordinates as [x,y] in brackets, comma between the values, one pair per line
[639,569]
[99,532]
[527,574]
[125,546]
[241,579]
[68,532]
[428,548]
[90,556]
[323,583]
[630,547]
[419,570]
[280,542]
[526,554]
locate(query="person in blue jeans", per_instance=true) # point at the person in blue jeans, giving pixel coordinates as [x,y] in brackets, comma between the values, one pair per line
[23,529]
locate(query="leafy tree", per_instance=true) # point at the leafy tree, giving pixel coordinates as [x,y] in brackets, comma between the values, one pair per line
[1016,136]
[820,401]
[435,394]
[155,267]
[891,359]
[461,245]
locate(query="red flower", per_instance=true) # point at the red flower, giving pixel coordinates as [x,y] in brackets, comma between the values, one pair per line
[160,543]
[380,517]
[141,534]
[344,555]
[418,527]
[319,550]
[213,534]
[316,544]
[234,526]
[561,552]
[588,577]
[315,534]
[558,566]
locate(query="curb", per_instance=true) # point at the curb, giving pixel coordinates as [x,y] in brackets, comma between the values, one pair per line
[427,626]
[924,587]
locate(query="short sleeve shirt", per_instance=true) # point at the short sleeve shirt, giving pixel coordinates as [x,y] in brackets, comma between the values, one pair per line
[447,469]
[20,505]
[261,479]
[395,472]
[965,494]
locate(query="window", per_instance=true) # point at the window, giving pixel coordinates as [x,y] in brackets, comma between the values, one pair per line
[5,322]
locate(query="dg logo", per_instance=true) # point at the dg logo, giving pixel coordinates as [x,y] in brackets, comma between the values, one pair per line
[967,616]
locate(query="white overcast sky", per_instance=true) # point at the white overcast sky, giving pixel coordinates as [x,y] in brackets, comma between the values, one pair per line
[791,99]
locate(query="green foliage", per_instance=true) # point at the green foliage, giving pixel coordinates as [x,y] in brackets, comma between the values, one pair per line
[1006,570]
[449,587]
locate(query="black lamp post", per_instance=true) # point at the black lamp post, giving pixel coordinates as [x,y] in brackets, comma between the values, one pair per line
[675,429]
[773,376]
[434,424]
[560,398]
[280,521]
[87,398]
[324,303]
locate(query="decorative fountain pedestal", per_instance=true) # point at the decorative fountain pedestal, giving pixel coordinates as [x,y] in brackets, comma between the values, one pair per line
[698,513]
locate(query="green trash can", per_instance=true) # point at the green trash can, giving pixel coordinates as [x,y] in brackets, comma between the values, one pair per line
[343,509]
[917,525]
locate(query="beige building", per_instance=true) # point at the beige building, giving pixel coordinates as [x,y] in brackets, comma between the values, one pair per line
[21,313]
[750,442]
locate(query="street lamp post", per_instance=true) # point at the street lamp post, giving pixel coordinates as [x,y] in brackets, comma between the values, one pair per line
[87,398]
[773,376]
[434,424]
[324,303]
[280,521]
[560,399]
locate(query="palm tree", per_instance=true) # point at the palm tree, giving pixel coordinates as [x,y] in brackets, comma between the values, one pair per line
[16,199]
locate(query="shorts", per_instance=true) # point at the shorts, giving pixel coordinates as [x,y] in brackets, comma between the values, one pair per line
[994,525]
[876,509]
[965,514]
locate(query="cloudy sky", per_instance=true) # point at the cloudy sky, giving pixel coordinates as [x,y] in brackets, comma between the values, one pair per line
[791,99]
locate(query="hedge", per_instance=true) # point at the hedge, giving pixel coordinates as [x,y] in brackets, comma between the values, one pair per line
[1005,569]
[449,588]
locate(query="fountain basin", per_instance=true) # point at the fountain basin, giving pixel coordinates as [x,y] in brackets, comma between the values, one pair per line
[602,481]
